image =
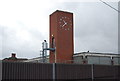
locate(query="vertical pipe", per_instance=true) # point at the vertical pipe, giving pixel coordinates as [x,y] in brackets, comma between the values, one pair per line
[54,66]
[55,55]
[43,55]
[92,69]
[54,71]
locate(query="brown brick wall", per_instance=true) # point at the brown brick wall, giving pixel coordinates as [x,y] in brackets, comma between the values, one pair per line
[63,38]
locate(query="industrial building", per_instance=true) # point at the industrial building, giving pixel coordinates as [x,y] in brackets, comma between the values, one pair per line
[96,58]
[13,58]
[62,63]
[87,58]
[62,47]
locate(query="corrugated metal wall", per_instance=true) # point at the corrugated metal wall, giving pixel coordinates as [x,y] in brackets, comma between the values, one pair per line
[73,71]
[17,70]
[104,71]
[39,71]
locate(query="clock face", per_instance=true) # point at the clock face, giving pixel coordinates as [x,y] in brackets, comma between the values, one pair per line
[65,23]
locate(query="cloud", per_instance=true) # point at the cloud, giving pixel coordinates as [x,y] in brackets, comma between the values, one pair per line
[95,26]
[26,43]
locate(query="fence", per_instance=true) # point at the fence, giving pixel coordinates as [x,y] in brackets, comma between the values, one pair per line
[54,72]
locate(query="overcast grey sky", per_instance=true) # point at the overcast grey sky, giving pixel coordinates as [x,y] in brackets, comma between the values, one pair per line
[24,24]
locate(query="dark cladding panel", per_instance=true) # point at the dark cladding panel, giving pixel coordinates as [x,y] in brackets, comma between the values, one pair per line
[118,69]
[4,70]
[38,71]
[116,72]
[104,71]
[73,71]
[12,70]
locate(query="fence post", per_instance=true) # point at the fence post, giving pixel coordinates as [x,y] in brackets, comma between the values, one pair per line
[54,67]
[92,70]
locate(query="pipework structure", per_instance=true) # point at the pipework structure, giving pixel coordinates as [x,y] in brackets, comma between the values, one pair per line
[44,51]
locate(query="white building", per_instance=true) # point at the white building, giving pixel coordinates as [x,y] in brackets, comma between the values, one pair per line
[96,58]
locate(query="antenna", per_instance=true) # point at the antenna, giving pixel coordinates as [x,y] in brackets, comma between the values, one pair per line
[110,6]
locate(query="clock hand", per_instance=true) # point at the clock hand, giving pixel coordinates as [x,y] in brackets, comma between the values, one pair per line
[64,21]
[63,25]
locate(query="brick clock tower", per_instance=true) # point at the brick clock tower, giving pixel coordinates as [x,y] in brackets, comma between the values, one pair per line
[61,37]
